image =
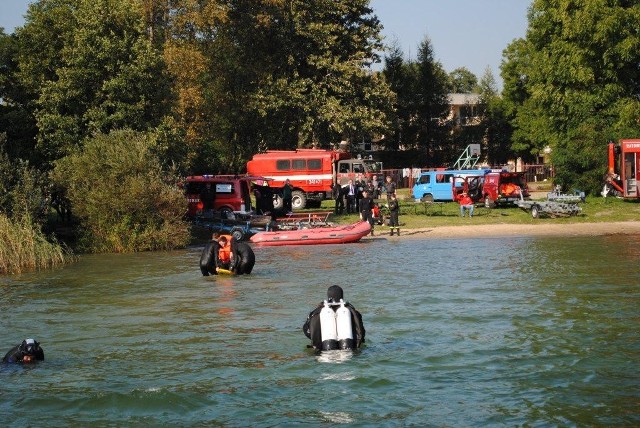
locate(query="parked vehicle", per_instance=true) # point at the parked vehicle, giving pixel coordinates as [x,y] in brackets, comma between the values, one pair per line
[623,174]
[232,193]
[442,185]
[503,188]
[240,226]
[311,172]
[470,184]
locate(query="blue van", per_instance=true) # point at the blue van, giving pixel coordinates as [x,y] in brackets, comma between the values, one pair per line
[438,185]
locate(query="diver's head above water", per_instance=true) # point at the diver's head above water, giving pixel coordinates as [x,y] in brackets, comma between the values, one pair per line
[334,293]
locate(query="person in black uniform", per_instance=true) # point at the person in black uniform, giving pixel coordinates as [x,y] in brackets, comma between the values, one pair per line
[394,211]
[29,351]
[208,198]
[366,209]
[312,329]
[390,187]
[338,197]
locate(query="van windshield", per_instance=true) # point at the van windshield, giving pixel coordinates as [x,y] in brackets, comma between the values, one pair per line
[197,187]
[373,166]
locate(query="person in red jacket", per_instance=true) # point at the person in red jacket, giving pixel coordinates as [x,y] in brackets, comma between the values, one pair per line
[466,203]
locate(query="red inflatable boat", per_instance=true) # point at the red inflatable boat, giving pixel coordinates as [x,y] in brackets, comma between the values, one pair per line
[313,236]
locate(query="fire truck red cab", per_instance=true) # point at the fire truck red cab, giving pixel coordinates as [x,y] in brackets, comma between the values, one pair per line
[623,174]
[311,172]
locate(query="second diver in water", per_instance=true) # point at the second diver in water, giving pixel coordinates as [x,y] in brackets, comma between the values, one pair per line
[334,323]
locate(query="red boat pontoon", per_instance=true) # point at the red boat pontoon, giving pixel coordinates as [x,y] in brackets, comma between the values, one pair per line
[313,236]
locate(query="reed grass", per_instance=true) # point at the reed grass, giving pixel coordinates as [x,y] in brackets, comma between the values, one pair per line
[24,247]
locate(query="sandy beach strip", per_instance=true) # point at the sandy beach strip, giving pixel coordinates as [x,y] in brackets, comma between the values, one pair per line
[514,230]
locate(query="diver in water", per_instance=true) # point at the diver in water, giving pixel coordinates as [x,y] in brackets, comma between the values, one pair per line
[334,323]
[29,351]
[243,259]
[225,252]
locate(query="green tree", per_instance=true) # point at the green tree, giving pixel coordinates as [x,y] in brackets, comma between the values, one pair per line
[16,117]
[401,78]
[432,107]
[495,128]
[22,196]
[315,87]
[98,73]
[463,81]
[574,83]
[123,198]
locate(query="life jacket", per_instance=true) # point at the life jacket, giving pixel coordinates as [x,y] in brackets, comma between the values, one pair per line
[224,253]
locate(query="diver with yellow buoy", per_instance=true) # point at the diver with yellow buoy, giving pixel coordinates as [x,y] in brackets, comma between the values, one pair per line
[224,255]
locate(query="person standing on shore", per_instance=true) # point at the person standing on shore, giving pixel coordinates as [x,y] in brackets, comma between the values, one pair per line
[394,211]
[350,193]
[287,196]
[338,197]
[366,209]
[390,188]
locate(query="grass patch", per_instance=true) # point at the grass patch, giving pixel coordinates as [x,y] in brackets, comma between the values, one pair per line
[414,216]
[24,247]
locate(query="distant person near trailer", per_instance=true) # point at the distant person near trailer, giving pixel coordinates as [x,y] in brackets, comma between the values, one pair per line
[390,187]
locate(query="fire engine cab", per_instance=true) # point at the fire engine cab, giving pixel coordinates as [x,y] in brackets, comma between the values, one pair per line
[311,172]
[623,174]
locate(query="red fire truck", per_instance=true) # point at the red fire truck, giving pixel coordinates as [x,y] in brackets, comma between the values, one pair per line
[623,175]
[311,172]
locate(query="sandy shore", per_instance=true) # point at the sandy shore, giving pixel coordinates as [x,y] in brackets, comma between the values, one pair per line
[504,230]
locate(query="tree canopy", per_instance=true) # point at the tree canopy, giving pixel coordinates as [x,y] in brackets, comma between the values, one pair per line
[573,84]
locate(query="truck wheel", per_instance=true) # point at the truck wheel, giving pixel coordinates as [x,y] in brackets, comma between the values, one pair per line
[278,203]
[427,198]
[237,234]
[298,200]
[535,211]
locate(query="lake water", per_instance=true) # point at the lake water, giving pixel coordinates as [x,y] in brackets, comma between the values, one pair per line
[476,332]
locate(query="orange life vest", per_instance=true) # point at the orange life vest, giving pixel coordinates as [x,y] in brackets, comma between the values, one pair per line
[224,254]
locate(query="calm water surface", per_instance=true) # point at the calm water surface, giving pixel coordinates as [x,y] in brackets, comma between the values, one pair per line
[477,332]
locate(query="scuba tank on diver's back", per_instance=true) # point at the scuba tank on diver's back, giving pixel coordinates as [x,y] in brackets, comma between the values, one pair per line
[334,324]
[328,328]
[344,327]
[336,327]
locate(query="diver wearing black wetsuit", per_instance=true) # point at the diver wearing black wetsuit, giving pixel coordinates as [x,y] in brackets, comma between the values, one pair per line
[28,351]
[312,329]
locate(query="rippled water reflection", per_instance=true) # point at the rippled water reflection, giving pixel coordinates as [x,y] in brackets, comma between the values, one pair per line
[459,333]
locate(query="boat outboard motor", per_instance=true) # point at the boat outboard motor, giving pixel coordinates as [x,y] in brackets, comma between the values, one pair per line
[328,328]
[344,327]
[209,258]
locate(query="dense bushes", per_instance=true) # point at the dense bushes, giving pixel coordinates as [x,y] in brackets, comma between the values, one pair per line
[122,198]
[23,205]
